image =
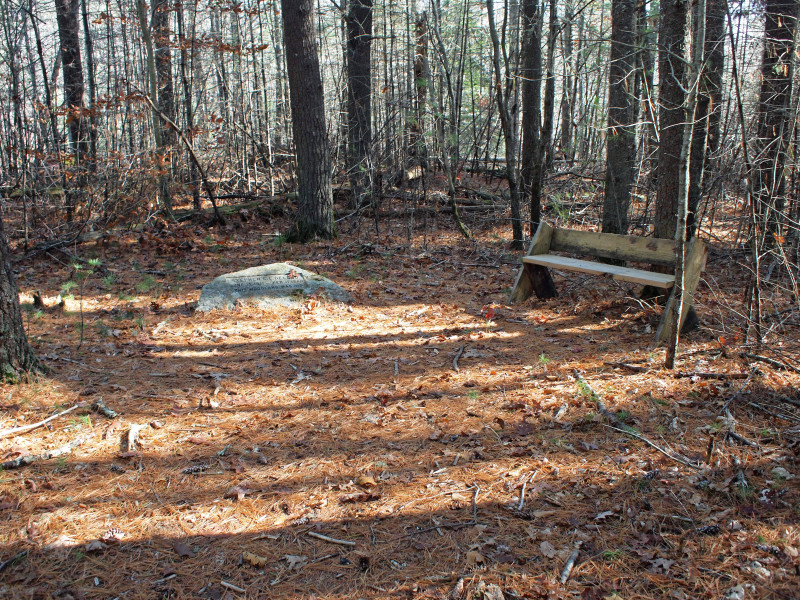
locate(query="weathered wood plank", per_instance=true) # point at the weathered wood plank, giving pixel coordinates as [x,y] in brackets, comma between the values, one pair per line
[528,280]
[649,250]
[617,272]
[696,256]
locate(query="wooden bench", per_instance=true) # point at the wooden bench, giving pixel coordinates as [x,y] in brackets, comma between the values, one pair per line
[534,276]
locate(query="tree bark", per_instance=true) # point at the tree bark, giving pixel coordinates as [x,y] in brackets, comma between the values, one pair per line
[314,216]
[621,136]
[774,109]
[90,68]
[549,90]
[671,63]
[67,18]
[163,60]
[152,76]
[359,95]
[531,75]
[16,355]
[705,139]
[509,130]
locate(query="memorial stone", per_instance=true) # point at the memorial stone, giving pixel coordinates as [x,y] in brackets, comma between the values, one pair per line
[278,284]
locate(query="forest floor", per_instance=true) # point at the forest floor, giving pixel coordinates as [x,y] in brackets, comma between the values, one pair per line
[424,441]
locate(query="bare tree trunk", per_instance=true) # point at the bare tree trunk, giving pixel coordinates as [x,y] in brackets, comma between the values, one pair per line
[187,105]
[141,9]
[621,136]
[774,110]
[314,215]
[671,113]
[706,124]
[502,79]
[16,355]
[567,98]
[163,59]
[693,81]
[531,75]
[359,96]
[89,46]
[550,90]
[67,17]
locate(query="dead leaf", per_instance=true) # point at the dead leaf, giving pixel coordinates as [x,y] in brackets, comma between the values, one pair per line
[295,562]
[237,492]
[95,546]
[359,497]
[366,481]
[604,515]
[475,558]
[183,550]
[254,559]
[493,592]
[661,565]
[547,549]
[61,544]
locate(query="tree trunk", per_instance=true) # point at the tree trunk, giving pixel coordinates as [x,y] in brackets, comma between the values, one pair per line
[152,76]
[567,99]
[163,59]
[314,215]
[194,184]
[16,355]
[89,45]
[509,130]
[774,109]
[705,139]
[549,91]
[671,64]
[359,95]
[679,295]
[621,136]
[67,17]
[531,75]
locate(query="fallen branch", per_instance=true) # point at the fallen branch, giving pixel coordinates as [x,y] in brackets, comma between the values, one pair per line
[23,461]
[622,365]
[13,559]
[741,439]
[704,375]
[770,361]
[458,355]
[325,538]
[622,428]
[567,571]
[101,407]
[26,428]
[677,458]
[234,588]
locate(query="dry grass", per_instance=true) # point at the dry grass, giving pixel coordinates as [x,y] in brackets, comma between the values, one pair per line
[351,422]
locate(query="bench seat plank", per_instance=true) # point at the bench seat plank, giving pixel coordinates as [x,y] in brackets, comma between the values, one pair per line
[553,261]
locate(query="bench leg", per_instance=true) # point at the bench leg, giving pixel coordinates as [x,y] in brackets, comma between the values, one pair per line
[695,262]
[535,279]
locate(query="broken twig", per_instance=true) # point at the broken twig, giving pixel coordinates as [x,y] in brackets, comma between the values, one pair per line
[325,538]
[26,428]
[457,356]
[567,571]
[23,461]
[704,375]
[233,588]
[770,361]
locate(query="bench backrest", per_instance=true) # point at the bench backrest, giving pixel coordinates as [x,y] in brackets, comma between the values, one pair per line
[649,250]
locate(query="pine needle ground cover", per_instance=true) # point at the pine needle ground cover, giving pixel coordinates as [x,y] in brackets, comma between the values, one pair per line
[424,441]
